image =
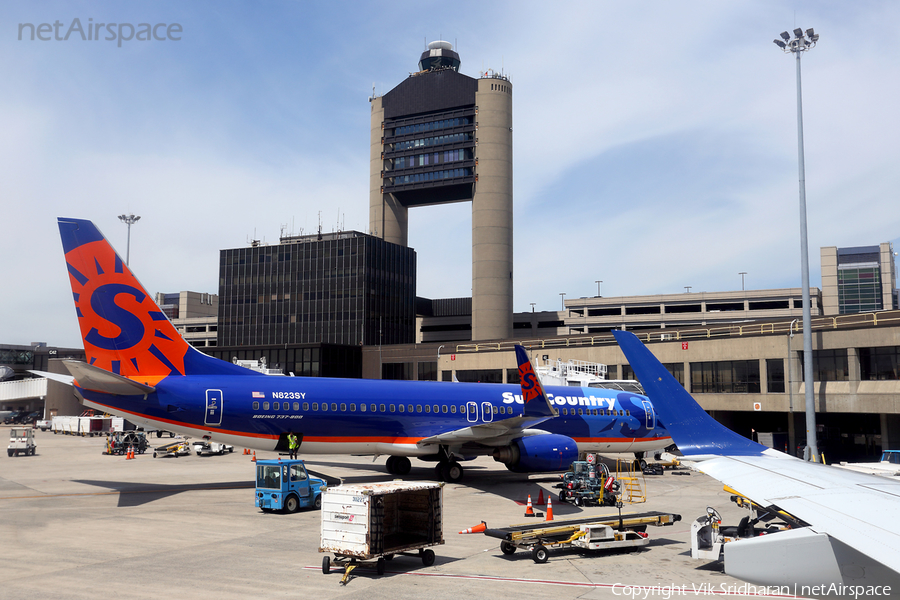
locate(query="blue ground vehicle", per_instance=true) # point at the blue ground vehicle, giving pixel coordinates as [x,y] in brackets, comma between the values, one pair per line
[285,485]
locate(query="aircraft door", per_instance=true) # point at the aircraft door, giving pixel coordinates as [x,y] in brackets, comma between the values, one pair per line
[487,412]
[472,412]
[650,415]
[213,407]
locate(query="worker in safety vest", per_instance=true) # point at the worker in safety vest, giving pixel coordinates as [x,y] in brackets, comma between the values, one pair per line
[293,444]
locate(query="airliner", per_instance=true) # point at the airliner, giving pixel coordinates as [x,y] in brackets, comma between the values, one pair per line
[140,368]
[846,530]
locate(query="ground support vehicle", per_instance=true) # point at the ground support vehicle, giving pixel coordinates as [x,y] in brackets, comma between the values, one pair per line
[43,424]
[709,536]
[121,442]
[207,448]
[21,441]
[588,483]
[286,485]
[180,447]
[376,521]
[591,533]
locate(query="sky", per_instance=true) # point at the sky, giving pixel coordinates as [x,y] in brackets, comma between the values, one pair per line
[654,142]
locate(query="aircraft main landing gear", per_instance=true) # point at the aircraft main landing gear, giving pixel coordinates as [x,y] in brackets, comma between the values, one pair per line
[449,471]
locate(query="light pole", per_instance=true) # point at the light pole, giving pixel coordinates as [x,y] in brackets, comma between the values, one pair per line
[599,295]
[532,305]
[129,220]
[742,273]
[687,289]
[562,300]
[798,45]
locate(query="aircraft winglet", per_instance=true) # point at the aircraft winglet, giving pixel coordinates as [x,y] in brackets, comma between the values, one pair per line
[694,431]
[537,404]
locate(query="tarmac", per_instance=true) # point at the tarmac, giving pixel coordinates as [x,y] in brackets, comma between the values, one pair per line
[75,523]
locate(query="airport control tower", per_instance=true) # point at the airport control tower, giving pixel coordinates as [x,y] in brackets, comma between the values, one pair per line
[439,137]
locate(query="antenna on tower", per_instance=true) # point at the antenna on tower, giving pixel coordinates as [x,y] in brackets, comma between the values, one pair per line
[320,224]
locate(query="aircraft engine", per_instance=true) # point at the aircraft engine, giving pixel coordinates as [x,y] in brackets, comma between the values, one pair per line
[538,453]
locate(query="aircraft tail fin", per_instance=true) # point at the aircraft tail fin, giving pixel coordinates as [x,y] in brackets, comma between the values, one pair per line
[693,431]
[537,404]
[123,330]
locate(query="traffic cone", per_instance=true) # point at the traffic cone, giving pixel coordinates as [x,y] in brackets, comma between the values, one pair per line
[130,453]
[540,500]
[549,508]
[254,457]
[529,511]
[477,529]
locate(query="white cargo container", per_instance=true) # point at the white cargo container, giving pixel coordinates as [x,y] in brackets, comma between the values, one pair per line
[379,520]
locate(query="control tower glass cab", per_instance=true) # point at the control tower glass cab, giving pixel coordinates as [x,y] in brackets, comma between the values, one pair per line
[440,55]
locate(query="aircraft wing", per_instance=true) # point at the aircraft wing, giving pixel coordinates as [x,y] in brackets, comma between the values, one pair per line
[497,433]
[853,536]
[536,408]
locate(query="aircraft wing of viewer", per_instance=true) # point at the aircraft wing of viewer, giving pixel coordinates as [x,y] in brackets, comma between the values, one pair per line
[537,408]
[853,532]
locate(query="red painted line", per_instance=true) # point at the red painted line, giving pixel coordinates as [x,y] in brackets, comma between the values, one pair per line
[673,590]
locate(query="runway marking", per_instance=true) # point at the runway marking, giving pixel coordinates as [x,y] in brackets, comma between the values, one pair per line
[583,584]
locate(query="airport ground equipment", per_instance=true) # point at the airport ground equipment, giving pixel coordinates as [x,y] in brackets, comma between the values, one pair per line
[591,533]
[120,442]
[21,441]
[286,485]
[709,536]
[176,448]
[376,521]
[588,483]
[208,448]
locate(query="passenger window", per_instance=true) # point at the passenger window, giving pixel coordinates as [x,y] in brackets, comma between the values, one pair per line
[444,408]
[580,411]
[409,408]
[324,406]
[343,407]
[306,406]
[495,410]
[353,407]
[275,406]
[427,408]
[381,407]
[402,408]
[296,406]
[453,408]
[334,406]
[362,408]
[628,413]
[436,408]
[392,408]
[265,406]
[315,406]
[256,406]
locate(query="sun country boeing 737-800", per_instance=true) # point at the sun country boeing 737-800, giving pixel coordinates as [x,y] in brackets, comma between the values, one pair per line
[140,368]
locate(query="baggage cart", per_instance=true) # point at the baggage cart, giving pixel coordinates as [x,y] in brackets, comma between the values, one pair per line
[375,522]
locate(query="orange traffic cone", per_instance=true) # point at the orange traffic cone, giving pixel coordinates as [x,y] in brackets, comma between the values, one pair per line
[549,508]
[130,453]
[540,500]
[254,457]
[529,511]
[477,529]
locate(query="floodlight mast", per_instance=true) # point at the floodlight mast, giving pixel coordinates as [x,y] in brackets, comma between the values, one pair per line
[799,44]
[129,220]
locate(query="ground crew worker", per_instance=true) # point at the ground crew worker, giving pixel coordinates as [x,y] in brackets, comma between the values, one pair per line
[293,444]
